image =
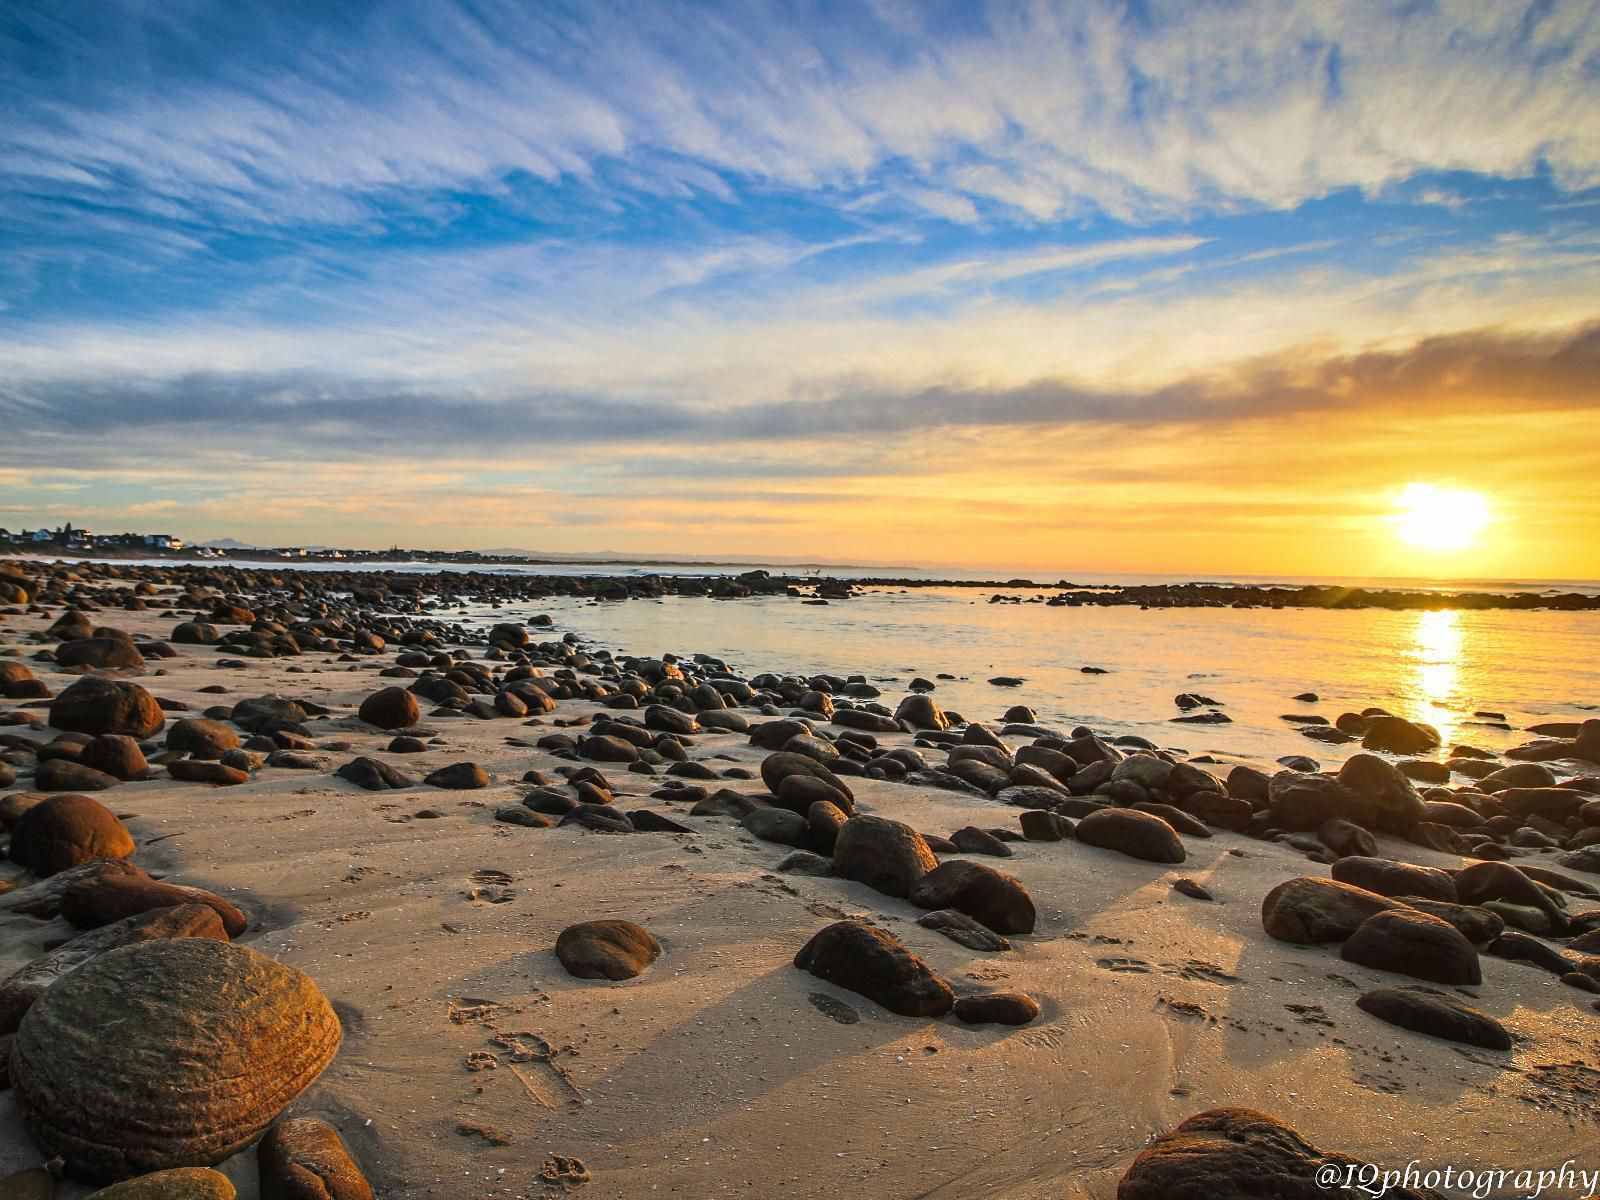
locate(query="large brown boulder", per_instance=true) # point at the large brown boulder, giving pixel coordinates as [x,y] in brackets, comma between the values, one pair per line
[1136,834]
[391,708]
[180,1183]
[883,854]
[66,775]
[1309,910]
[775,768]
[1415,944]
[1423,1010]
[1389,878]
[21,989]
[303,1159]
[1304,801]
[100,653]
[116,754]
[1235,1153]
[122,890]
[876,965]
[1396,735]
[606,949]
[98,705]
[65,831]
[201,738]
[172,1053]
[1394,802]
[996,899]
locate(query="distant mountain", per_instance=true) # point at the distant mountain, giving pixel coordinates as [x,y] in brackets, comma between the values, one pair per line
[229,544]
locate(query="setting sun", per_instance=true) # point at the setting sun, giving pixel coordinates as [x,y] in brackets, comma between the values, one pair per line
[1441,518]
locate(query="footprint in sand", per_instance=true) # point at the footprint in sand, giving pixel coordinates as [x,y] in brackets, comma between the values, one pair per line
[1135,966]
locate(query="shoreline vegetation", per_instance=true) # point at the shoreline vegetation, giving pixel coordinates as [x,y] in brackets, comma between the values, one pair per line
[481,909]
[518,586]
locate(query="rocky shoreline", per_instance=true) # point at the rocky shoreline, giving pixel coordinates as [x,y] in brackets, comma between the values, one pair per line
[401,589]
[1426,918]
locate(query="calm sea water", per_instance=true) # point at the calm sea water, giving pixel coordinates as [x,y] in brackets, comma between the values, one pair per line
[1439,667]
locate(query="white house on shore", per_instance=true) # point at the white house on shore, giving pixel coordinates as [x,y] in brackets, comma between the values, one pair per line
[163,541]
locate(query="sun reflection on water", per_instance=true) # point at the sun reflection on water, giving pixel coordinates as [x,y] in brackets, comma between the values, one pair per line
[1435,653]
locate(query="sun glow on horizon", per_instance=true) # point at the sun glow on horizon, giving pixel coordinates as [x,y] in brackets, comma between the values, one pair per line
[1435,518]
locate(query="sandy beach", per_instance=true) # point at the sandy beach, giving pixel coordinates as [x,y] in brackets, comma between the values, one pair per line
[474,1064]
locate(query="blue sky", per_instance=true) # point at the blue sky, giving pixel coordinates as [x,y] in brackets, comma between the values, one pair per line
[561,266]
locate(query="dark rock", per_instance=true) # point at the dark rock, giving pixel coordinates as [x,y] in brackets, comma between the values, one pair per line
[1519,947]
[66,831]
[65,775]
[461,776]
[775,768]
[122,890]
[1346,838]
[117,755]
[200,738]
[1040,826]
[921,712]
[1416,944]
[1395,879]
[1302,801]
[374,775]
[646,820]
[971,840]
[100,653]
[824,819]
[606,949]
[997,1008]
[601,818]
[1136,834]
[803,862]
[963,930]
[1424,1010]
[167,1053]
[1396,735]
[98,705]
[1235,1154]
[992,897]
[194,770]
[304,1159]
[779,825]
[391,708]
[876,965]
[1390,797]
[1310,910]
[885,855]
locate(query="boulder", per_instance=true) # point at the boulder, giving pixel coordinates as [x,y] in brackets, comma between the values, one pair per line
[98,705]
[199,770]
[1235,1154]
[997,1008]
[66,831]
[799,793]
[374,775]
[1302,801]
[824,819]
[1136,834]
[23,987]
[180,1183]
[122,890]
[875,964]
[66,775]
[1395,879]
[200,738]
[1309,910]
[779,825]
[459,776]
[963,930]
[921,712]
[1416,944]
[606,949]
[775,768]
[1396,735]
[997,900]
[390,708]
[117,754]
[1424,1010]
[885,855]
[100,653]
[171,1053]
[1390,796]
[304,1159]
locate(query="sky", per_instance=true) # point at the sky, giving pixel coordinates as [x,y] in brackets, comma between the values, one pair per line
[1139,287]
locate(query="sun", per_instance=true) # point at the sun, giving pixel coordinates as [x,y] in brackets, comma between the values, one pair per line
[1436,518]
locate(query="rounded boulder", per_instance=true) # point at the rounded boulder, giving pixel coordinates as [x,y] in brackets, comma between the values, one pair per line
[172,1053]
